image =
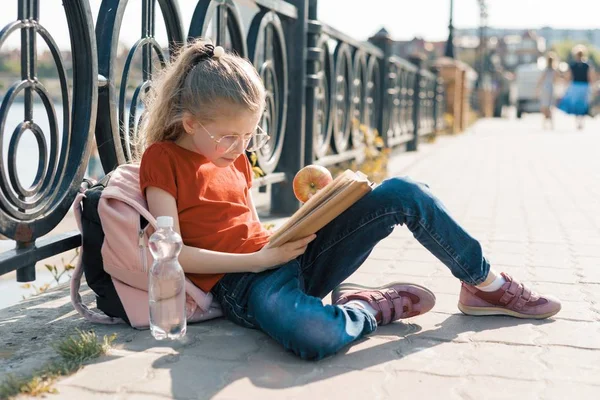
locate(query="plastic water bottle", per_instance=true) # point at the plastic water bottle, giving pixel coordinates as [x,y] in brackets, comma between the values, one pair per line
[166,283]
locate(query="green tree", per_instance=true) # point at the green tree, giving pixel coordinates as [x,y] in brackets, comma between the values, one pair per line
[564,51]
[10,66]
[469,57]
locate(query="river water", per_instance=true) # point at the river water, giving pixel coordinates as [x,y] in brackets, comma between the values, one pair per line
[11,292]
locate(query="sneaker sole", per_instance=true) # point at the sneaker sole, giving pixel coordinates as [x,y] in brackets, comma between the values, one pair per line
[355,286]
[483,311]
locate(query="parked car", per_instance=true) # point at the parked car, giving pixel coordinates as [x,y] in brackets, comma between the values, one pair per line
[526,79]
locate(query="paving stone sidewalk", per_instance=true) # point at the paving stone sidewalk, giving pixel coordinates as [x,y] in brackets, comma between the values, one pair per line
[533,199]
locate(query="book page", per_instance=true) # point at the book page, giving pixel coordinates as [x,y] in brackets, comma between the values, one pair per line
[319,197]
[320,216]
[341,191]
[312,210]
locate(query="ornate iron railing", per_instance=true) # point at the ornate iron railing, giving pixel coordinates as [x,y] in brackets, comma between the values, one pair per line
[322,86]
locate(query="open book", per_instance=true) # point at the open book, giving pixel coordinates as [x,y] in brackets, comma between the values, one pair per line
[323,207]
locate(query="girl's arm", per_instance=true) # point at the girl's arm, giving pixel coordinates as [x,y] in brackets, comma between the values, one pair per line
[569,75]
[592,81]
[591,75]
[200,261]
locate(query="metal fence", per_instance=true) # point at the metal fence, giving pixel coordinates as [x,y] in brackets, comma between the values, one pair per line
[322,86]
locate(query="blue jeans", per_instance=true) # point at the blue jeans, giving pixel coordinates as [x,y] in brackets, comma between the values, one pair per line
[286,302]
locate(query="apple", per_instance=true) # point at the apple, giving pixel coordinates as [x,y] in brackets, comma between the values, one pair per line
[309,180]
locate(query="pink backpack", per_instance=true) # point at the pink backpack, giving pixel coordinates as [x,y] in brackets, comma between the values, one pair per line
[113,219]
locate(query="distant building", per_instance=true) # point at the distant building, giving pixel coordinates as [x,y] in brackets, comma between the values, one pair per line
[505,52]
[406,48]
[550,35]
[466,49]
[514,50]
[418,46]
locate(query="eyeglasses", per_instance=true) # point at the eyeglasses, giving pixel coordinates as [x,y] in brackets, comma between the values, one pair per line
[252,141]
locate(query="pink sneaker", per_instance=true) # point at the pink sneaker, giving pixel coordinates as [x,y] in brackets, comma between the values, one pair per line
[392,301]
[513,299]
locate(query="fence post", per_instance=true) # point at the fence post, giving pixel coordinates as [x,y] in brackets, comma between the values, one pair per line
[283,200]
[383,40]
[413,145]
[27,273]
[314,58]
[435,99]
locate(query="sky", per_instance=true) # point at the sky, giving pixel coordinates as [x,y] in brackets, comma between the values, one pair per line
[404,19]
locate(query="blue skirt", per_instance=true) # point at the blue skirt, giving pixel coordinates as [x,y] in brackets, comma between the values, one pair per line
[576,99]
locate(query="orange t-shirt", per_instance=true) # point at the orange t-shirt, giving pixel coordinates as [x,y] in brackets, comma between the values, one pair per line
[212,202]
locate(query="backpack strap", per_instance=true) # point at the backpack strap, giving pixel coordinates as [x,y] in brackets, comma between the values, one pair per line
[81,308]
[144,213]
[75,284]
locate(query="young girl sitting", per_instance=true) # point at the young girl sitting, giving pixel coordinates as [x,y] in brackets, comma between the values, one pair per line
[202,117]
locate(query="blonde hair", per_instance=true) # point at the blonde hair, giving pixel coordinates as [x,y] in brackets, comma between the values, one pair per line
[200,85]
[579,50]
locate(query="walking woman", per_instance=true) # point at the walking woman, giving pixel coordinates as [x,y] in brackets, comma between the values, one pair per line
[576,99]
[545,89]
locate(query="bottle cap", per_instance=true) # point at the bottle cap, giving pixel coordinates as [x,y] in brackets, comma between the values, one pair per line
[164,222]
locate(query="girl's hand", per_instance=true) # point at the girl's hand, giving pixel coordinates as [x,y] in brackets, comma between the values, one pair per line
[271,257]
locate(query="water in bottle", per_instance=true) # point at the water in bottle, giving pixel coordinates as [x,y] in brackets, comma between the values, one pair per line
[166,283]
